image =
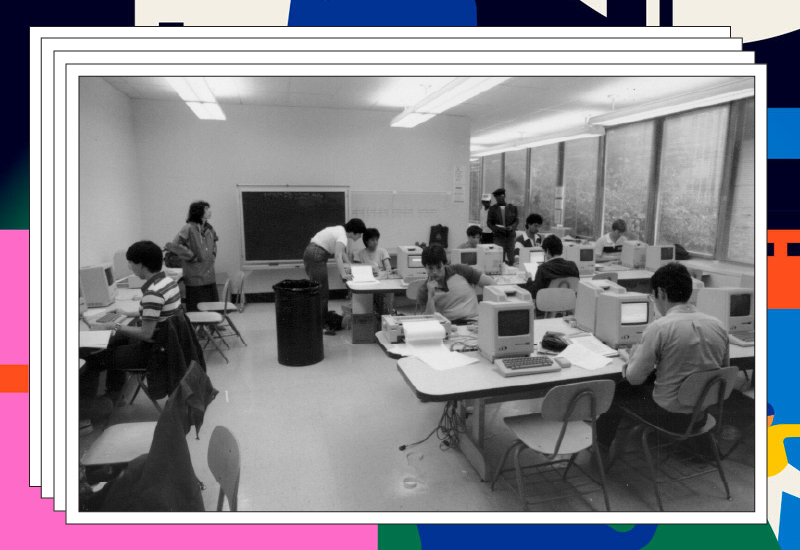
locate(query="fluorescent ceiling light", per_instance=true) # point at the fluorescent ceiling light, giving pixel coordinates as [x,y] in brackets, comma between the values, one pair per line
[201,89]
[455,93]
[529,142]
[206,111]
[715,96]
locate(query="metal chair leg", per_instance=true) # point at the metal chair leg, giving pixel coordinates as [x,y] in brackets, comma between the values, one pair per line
[719,465]
[602,474]
[569,465]
[518,471]
[236,330]
[503,461]
[649,458]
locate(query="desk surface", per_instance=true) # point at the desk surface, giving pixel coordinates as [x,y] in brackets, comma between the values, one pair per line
[480,380]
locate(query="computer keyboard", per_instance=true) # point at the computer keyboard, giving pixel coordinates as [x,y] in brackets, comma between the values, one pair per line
[517,366]
[742,338]
[112,317]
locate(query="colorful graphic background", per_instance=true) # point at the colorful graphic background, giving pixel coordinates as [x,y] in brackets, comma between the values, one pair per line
[29,520]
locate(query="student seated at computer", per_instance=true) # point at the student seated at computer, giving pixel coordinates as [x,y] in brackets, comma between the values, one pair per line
[680,343]
[609,246]
[474,233]
[378,258]
[532,237]
[553,267]
[449,288]
[129,346]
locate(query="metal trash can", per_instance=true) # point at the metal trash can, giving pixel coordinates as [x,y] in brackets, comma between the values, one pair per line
[299,322]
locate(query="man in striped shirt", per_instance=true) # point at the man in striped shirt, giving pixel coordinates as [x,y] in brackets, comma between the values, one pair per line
[129,346]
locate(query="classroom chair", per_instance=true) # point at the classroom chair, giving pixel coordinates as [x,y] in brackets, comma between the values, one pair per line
[566,282]
[241,297]
[206,324]
[560,429]
[555,301]
[223,308]
[701,391]
[224,462]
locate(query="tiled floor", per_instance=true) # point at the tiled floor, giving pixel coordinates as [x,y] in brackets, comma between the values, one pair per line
[325,437]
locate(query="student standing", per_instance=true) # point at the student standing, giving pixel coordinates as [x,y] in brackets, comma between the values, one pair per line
[196,245]
[331,242]
[486,235]
[502,220]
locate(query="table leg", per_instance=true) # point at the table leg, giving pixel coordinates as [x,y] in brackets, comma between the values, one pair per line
[472,442]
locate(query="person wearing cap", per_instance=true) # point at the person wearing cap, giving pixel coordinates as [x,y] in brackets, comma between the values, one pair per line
[782,477]
[486,236]
[502,220]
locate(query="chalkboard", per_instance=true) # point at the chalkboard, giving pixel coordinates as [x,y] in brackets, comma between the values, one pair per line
[277,223]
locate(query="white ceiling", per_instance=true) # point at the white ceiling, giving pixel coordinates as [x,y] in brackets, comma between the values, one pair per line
[520,107]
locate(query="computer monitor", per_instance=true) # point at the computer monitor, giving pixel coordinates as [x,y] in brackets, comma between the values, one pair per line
[490,259]
[696,286]
[586,303]
[622,318]
[505,322]
[98,285]
[582,255]
[658,255]
[409,261]
[466,256]
[530,255]
[634,254]
[735,307]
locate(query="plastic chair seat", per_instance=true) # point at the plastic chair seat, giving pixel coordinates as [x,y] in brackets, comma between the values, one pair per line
[203,317]
[707,427]
[216,306]
[542,435]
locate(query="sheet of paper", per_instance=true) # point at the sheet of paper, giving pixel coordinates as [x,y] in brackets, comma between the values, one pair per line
[531,268]
[362,274]
[581,357]
[94,338]
[591,343]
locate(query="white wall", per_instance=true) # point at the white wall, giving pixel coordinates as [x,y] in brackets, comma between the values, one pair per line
[110,194]
[182,158]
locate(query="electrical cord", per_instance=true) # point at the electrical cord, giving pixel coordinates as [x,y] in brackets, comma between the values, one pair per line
[450,425]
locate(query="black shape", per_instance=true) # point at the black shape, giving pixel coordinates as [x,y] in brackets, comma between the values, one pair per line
[559,13]
[665,13]
[770,249]
[170,23]
[783,219]
[793,249]
[780,53]
[783,194]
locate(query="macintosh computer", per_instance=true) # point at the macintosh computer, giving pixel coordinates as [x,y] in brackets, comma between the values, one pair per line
[582,255]
[622,318]
[466,256]
[527,255]
[586,304]
[98,285]
[634,254]
[505,322]
[658,255]
[735,307]
[409,262]
[490,259]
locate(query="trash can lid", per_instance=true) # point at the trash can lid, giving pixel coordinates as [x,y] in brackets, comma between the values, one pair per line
[296,285]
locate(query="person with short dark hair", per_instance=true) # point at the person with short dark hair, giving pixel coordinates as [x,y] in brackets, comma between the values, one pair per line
[553,267]
[486,235]
[330,242]
[609,246]
[474,233]
[449,288]
[196,245]
[680,343]
[129,346]
[503,221]
[532,237]
[378,258]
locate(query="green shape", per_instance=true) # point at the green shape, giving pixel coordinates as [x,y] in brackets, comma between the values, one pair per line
[15,197]
[622,528]
[703,537]
[398,537]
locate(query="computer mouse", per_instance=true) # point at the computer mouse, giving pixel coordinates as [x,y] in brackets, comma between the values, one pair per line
[563,362]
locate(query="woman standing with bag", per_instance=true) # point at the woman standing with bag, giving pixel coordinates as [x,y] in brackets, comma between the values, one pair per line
[196,244]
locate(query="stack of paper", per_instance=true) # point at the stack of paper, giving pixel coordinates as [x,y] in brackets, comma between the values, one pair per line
[581,357]
[362,274]
[594,345]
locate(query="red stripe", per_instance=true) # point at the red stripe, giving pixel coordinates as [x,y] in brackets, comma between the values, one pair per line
[13,378]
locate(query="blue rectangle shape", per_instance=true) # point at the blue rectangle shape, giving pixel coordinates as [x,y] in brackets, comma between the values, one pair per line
[783,131]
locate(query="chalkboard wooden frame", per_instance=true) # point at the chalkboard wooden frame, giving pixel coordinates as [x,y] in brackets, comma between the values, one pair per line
[264,217]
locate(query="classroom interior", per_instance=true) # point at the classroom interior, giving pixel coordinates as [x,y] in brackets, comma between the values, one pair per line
[673,156]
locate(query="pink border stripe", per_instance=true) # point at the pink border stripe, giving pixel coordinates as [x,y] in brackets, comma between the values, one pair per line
[14,282]
[29,521]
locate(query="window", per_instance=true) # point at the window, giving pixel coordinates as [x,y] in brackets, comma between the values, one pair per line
[475,190]
[690,178]
[542,182]
[514,181]
[580,184]
[492,172]
[741,239]
[629,154]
